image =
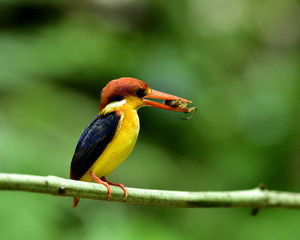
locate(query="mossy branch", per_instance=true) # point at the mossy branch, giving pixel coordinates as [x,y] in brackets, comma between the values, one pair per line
[255,198]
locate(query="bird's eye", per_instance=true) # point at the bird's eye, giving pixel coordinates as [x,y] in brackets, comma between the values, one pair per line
[140,93]
[116,98]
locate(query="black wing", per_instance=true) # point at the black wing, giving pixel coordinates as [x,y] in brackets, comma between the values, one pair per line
[92,143]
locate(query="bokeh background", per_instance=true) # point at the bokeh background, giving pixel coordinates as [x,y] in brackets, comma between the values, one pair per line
[238,61]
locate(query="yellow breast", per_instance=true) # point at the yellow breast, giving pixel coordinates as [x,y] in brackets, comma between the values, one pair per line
[120,147]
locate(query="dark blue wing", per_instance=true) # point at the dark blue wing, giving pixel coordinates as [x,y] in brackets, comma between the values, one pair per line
[92,143]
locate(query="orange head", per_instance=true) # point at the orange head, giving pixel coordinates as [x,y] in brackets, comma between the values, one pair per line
[130,90]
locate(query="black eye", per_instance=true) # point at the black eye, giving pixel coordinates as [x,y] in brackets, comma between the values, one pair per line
[140,93]
[116,98]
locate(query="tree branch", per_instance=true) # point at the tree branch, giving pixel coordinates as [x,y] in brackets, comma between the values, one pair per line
[255,198]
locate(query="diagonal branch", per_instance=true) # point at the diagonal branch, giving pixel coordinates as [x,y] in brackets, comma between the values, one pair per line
[255,198]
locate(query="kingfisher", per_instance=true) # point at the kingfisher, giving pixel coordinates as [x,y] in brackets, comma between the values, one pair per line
[110,137]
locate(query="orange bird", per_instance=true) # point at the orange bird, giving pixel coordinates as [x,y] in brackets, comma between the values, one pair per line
[110,137]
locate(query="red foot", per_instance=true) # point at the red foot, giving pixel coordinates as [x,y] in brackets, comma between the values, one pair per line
[106,183]
[117,184]
[98,180]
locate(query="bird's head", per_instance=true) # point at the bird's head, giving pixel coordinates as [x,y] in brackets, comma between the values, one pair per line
[135,93]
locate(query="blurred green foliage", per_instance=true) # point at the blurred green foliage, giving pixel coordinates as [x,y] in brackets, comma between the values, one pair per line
[238,61]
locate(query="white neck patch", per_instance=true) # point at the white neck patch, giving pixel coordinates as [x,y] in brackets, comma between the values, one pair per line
[113,106]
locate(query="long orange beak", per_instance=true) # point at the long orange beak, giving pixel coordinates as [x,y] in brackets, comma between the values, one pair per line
[165,96]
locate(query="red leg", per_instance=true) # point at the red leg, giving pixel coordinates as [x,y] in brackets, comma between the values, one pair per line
[116,184]
[102,182]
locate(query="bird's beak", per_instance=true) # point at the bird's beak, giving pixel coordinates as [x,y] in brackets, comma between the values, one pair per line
[165,96]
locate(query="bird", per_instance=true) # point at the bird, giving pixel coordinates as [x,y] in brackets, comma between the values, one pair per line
[109,139]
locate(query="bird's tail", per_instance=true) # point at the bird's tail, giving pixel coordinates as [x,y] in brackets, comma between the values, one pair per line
[75,202]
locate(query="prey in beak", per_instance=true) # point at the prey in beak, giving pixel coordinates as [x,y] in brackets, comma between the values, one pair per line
[171,102]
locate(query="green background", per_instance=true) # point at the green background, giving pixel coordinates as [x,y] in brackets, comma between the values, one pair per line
[238,61]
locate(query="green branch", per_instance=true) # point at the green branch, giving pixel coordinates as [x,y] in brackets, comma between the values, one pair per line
[255,198]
